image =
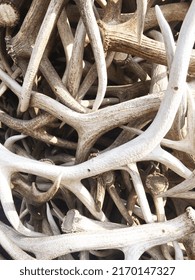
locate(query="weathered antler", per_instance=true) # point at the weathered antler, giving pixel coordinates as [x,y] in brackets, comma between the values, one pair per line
[97,129]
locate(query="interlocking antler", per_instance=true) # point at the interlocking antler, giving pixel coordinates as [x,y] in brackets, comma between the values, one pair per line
[112,149]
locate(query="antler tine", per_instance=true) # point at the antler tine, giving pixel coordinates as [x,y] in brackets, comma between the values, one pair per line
[93,32]
[38,50]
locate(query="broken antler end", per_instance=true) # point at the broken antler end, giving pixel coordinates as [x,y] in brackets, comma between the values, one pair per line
[191,214]
[9,14]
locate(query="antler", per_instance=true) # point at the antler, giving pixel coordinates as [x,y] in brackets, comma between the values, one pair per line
[92,120]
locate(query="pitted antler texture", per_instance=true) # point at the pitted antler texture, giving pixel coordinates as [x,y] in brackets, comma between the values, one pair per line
[97,129]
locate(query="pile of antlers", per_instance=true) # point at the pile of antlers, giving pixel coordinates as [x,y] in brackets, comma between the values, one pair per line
[97,134]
